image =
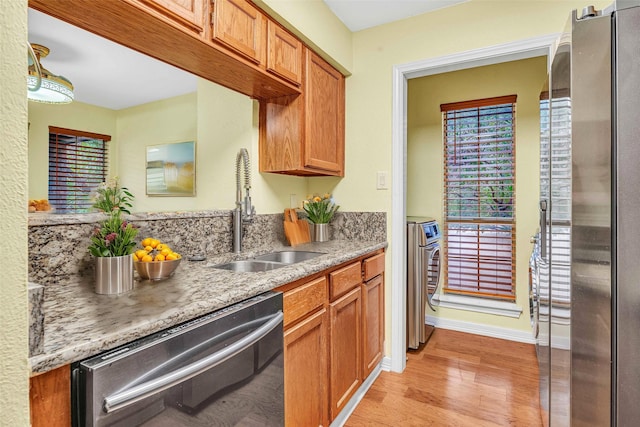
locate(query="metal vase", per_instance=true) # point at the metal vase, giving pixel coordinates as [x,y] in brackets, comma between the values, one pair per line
[114,275]
[320,232]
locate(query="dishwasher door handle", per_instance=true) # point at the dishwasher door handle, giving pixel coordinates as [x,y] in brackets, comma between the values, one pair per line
[139,392]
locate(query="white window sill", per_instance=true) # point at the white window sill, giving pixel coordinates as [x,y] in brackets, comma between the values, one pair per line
[479,305]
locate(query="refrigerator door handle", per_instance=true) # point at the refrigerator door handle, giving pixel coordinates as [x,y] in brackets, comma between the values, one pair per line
[543,229]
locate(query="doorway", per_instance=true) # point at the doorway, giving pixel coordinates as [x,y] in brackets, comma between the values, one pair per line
[529,48]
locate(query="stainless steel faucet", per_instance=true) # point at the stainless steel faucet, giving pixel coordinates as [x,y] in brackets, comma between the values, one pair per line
[244,211]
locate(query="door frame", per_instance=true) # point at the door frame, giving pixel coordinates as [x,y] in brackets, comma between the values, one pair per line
[528,48]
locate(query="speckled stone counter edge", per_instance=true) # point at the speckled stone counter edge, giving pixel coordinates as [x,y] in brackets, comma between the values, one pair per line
[58,260]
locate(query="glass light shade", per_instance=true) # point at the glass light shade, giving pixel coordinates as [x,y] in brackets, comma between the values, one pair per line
[53,89]
[50,92]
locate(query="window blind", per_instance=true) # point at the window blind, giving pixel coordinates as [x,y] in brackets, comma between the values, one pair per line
[77,165]
[479,156]
[555,172]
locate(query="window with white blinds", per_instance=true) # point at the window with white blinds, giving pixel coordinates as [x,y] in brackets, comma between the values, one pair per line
[77,165]
[555,173]
[479,156]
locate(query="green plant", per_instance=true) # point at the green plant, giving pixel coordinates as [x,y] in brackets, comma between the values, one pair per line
[115,236]
[319,209]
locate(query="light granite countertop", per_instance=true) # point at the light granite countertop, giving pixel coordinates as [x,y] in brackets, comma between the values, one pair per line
[80,323]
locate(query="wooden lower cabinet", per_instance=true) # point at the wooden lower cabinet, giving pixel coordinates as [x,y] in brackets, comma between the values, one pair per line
[50,398]
[372,323]
[305,372]
[346,348]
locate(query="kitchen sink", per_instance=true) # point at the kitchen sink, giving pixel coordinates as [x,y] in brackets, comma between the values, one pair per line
[288,257]
[250,266]
[268,261]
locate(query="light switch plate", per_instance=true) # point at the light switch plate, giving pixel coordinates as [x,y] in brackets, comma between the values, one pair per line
[382,180]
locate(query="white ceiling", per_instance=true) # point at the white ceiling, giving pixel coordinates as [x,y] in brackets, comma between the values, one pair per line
[104,73]
[360,14]
[109,75]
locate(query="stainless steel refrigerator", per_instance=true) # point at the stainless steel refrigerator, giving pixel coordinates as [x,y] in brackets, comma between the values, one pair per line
[589,328]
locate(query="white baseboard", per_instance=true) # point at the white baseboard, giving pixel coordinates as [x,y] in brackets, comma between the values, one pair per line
[346,412]
[485,330]
[386,364]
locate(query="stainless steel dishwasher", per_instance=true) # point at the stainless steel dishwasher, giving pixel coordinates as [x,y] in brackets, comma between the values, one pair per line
[222,369]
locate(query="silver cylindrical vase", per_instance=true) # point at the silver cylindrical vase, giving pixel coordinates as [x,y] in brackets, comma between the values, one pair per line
[320,232]
[114,275]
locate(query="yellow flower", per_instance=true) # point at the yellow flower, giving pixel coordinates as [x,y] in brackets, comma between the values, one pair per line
[317,199]
[327,195]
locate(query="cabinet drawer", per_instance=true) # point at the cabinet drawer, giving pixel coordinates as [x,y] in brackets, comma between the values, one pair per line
[303,300]
[373,266]
[343,280]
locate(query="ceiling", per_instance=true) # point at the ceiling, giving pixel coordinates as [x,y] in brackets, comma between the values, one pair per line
[360,14]
[104,73]
[109,75]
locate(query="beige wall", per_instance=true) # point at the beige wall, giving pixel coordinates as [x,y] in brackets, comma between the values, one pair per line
[425,156]
[14,369]
[77,116]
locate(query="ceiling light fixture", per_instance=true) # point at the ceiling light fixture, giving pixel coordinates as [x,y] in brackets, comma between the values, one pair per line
[43,85]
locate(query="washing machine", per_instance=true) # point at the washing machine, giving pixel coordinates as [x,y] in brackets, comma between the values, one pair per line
[423,276]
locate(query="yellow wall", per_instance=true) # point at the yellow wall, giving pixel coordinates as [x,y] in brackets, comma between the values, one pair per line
[219,120]
[425,156]
[161,122]
[370,55]
[14,338]
[228,121]
[317,26]
[76,116]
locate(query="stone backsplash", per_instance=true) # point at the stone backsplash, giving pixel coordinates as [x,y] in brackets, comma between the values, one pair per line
[58,243]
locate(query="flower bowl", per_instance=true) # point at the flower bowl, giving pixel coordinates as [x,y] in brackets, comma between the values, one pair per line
[156,270]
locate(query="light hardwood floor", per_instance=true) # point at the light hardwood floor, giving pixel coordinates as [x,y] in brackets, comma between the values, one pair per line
[457,379]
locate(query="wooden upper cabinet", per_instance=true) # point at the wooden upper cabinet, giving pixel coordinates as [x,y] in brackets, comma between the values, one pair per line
[324,121]
[284,54]
[304,135]
[239,26]
[189,13]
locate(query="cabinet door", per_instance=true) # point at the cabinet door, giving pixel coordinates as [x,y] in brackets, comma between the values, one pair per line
[239,26]
[284,54]
[372,323]
[50,398]
[187,12]
[324,116]
[305,372]
[345,348]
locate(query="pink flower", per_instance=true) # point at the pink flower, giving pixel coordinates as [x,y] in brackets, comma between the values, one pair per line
[109,238]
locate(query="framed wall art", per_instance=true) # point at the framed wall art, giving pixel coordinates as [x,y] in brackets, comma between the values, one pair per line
[171,169]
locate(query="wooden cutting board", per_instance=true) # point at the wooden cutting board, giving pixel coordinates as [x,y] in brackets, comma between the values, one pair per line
[296,231]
